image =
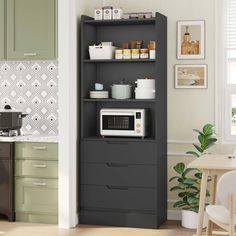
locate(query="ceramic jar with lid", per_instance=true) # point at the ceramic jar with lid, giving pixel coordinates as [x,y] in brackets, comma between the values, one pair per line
[144,53]
[145,89]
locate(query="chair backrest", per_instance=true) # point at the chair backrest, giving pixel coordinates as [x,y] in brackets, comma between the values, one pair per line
[226,186]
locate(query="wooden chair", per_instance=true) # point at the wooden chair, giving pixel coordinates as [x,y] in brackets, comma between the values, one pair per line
[224,215]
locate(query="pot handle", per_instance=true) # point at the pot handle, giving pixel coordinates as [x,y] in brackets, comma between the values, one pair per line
[23,115]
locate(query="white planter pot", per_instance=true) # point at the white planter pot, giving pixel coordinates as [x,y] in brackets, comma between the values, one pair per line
[190,219]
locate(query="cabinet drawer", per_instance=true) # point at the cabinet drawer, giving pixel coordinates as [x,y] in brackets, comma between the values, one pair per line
[29,168]
[119,152]
[114,197]
[5,150]
[36,195]
[37,218]
[118,175]
[120,219]
[36,150]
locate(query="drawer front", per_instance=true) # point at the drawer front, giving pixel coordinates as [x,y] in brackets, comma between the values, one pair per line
[36,218]
[37,150]
[35,168]
[123,219]
[36,195]
[5,150]
[113,197]
[118,175]
[119,152]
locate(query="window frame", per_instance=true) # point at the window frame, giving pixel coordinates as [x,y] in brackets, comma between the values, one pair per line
[223,90]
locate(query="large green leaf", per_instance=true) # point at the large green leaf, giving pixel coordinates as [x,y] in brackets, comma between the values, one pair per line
[198,175]
[202,139]
[179,204]
[193,153]
[198,131]
[198,148]
[176,188]
[208,129]
[210,142]
[195,188]
[189,181]
[172,178]
[182,194]
[193,200]
[179,168]
[194,209]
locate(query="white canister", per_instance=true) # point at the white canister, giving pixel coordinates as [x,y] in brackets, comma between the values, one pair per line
[145,83]
[145,93]
[98,14]
[121,91]
[152,54]
[117,13]
[107,13]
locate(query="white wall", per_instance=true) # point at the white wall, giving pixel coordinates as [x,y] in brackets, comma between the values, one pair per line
[67,58]
[190,108]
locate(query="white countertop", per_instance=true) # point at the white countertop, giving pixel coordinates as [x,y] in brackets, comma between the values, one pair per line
[31,138]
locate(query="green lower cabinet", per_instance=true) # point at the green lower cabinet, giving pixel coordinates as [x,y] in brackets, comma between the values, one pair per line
[36,150]
[36,199]
[36,168]
[36,218]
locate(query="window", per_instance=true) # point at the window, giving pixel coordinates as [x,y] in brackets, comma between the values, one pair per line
[229,71]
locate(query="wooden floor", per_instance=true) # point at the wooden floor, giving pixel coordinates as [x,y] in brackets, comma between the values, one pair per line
[171,228]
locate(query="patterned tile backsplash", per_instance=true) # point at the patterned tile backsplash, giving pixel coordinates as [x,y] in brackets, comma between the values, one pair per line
[32,87]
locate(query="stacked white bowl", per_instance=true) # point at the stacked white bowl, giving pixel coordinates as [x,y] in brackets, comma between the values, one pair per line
[145,89]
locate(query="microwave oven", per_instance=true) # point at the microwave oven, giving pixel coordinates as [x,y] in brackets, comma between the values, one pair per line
[125,122]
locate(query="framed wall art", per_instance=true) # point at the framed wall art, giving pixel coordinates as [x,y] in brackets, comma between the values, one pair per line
[191,39]
[190,76]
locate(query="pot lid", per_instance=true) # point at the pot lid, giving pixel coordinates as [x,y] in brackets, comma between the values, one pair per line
[122,82]
[8,109]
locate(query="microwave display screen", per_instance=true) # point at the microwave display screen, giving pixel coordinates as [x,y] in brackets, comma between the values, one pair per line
[116,122]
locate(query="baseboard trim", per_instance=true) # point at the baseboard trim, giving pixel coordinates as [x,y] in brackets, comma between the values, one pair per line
[174,215]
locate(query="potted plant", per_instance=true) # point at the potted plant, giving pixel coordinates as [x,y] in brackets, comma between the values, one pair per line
[188,180]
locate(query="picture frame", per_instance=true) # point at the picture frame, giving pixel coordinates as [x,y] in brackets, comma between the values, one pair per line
[191,76]
[191,39]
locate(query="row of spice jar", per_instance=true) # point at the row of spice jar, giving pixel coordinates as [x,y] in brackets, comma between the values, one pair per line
[127,54]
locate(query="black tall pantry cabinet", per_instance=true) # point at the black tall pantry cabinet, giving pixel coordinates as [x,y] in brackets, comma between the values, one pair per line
[123,181]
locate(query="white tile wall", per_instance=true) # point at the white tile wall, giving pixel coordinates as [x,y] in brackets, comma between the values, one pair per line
[33,88]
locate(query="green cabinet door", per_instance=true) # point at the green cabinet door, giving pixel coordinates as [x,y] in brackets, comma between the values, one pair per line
[31,29]
[36,195]
[2,27]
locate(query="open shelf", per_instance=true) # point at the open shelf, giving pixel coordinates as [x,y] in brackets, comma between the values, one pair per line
[150,21]
[118,139]
[121,61]
[117,100]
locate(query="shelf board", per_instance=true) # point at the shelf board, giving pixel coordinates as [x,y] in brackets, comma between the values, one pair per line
[121,61]
[150,21]
[117,100]
[118,139]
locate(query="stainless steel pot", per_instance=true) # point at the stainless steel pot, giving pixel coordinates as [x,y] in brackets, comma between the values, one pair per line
[121,91]
[11,119]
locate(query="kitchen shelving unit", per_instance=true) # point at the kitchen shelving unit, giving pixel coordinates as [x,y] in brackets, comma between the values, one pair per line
[123,180]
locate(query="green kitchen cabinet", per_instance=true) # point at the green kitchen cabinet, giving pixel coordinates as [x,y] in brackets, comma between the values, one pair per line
[31,29]
[2,29]
[36,182]
[36,195]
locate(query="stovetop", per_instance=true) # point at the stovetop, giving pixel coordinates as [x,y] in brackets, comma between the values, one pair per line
[11,133]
